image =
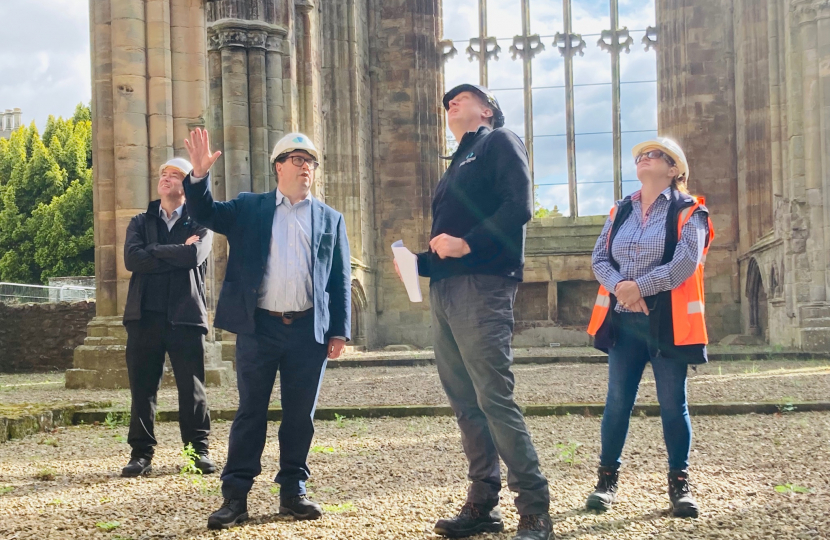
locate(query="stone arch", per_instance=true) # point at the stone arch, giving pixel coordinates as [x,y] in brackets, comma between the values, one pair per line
[359,305]
[757,297]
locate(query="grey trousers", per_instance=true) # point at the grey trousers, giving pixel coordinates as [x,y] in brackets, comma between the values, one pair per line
[472,325]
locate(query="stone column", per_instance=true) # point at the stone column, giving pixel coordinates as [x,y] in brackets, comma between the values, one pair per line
[189,53]
[235,117]
[159,87]
[146,78]
[309,85]
[103,150]
[257,91]
[696,86]
[407,117]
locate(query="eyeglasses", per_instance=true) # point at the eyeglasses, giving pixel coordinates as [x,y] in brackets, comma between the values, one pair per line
[299,161]
[655,154]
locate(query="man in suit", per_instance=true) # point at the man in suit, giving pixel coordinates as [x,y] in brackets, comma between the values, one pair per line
[287,296]
[165,313]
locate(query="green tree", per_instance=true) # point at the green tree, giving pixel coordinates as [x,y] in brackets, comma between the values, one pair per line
[46,200]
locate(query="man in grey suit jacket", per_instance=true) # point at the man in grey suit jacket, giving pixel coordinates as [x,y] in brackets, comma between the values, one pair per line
[287,296]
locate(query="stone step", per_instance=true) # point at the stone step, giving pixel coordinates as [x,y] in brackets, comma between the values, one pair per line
[817,322]
[815,312]
[100,357]
[118,378]
[815,339]
[95,340]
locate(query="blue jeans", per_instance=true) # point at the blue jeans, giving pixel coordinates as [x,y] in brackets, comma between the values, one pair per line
[627,360]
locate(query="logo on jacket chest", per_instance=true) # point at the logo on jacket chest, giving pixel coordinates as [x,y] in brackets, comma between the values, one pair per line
[469,159]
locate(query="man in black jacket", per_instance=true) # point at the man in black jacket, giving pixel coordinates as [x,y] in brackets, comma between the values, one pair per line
[166,313]
[475,261]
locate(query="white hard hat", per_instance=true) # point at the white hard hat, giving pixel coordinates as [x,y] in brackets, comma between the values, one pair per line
[291,142]
[177,163]
[671,148]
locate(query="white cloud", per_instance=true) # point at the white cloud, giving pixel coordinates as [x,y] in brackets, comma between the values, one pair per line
[44,59]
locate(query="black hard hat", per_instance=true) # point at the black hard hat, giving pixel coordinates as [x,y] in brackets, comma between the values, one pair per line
[482,92]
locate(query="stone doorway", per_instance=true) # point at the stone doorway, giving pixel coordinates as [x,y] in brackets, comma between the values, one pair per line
[758,307]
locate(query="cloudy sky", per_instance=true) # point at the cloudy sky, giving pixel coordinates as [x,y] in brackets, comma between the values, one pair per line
[44,57]
[45,69]
[592,92]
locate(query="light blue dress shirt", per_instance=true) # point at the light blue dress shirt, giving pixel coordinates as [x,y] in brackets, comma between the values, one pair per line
[174,217]
[287,285]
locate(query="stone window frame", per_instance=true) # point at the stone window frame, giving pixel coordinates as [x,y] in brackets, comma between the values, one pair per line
[527,45]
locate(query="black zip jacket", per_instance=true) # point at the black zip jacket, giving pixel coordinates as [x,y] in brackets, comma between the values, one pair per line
[485,198]
[150,252]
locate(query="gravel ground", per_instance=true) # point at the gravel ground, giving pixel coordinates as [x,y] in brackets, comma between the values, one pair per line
[734,381]
[392,478]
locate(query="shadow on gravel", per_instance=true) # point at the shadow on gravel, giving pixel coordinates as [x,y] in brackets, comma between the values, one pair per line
[613,525]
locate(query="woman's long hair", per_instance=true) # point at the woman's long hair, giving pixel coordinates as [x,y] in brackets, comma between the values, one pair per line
[679,183]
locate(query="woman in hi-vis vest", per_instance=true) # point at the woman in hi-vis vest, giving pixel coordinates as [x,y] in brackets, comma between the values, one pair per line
[649,261]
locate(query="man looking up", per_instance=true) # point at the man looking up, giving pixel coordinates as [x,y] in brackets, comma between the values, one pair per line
[475,262]
[287,296]
[165,313]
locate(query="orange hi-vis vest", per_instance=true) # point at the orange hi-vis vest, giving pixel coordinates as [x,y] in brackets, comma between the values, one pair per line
[687,302]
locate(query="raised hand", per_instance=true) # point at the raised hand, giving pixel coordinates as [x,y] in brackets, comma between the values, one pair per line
[198,146]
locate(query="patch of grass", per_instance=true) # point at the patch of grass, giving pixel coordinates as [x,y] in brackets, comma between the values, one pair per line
[189,456]
[752,370]
[104,500]
[113,420]
[568,452]
[121,438]
[339,420]
[322,449]
[108,525]
[49,441]
[791,488]
[338,508]
[786,405]
[45,475]
[275,489]
[56,502]
[6,489]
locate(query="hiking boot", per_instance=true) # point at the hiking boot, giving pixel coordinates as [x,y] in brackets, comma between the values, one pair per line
[204,463]
[680,494]
[301,507]
[605,494]
[472,519]
[136,467]
[230,514]
[535,527]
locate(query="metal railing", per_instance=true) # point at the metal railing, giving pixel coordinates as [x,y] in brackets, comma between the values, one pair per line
[22,293]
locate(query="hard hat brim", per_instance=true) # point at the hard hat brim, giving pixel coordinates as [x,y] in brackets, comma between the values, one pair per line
[679,160]
[484,93]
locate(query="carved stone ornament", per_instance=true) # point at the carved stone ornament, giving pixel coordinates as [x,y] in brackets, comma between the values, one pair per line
[527,46]
[448,49]
[491,49]
[245,34]
[619,40]
[569,44]
[650,39]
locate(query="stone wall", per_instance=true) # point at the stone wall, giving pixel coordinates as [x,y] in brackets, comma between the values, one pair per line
[42,337]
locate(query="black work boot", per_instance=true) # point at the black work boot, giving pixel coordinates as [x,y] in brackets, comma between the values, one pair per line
[535,527]
[204,463]
[605,494]
[136,467]
[682,502]
[231,513]
[301,507]
[472,519]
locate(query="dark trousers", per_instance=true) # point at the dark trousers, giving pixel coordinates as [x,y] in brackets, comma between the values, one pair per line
[472,324]
[627,360]
[147,342]
[301,361]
